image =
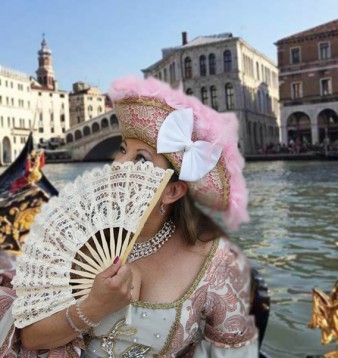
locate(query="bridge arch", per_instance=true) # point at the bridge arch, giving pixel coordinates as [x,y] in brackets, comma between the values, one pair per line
[104,123]
[70,138]
[78,134]
[95,127]
[86,131]
[113,120]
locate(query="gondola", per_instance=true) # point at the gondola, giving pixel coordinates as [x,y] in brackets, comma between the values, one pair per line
[23,189]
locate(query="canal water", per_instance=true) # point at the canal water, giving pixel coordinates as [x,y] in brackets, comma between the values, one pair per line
[292,239]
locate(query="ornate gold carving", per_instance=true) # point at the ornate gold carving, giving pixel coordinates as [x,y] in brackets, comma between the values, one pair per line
[18,218]
[36,162]
[136,351]
[331,354]
[120,328]
[325,314]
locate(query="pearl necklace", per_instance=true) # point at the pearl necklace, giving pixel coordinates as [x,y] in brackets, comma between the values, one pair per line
[149,247]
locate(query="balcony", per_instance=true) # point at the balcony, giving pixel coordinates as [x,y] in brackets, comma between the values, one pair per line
[20,131]
[309,100]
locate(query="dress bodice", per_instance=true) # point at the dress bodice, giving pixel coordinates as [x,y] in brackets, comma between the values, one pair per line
[214,308]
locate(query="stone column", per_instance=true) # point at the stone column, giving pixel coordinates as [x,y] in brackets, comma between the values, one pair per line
[283,125]
[314,125]
[284,134]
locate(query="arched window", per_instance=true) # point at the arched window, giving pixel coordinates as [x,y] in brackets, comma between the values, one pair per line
[229,96]
[213,96]
[204,95]
[187,68]
[203,66]
[260,100]
[99,109]
[212,64]
[90,108]
[7,150]
[227,60]
[257,71]
[160,75]
[172,72]
[165,77]
[189,92]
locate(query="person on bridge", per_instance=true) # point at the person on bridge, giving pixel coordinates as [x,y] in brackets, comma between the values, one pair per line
[190,295]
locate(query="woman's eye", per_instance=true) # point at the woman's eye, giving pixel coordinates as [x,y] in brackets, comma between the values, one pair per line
[141,158]
[122,150]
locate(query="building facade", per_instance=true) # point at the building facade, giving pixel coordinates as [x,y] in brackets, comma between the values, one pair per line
[227,74]
[16,112]
[85,102]
[29,104]
[308,75]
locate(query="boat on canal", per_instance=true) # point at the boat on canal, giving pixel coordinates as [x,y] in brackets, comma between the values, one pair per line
[23,190]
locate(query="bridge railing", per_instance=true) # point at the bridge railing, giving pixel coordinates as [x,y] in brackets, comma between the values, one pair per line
[94,137]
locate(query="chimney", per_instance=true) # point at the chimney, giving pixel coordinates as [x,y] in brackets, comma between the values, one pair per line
[184,38]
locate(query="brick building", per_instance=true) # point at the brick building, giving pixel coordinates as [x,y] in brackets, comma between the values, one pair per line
[308,76]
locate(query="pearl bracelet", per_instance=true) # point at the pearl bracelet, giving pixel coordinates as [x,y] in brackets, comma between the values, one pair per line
[72,324]
[85,319]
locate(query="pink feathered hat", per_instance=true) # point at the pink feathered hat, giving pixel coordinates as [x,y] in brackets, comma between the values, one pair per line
[143,105]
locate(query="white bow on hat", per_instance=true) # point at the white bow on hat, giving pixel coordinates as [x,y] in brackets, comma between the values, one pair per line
[199,157]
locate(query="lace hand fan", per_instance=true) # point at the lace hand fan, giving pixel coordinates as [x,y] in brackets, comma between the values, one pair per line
[79,233]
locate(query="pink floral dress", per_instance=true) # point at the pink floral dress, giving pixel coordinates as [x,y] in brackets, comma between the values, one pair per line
[210,320]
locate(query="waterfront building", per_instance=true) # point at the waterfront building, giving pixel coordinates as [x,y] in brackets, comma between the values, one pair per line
[227,74]
[29,104]
[85,102]
[308,75]
[16,112]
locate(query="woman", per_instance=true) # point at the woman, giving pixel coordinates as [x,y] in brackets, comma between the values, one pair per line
[190,296]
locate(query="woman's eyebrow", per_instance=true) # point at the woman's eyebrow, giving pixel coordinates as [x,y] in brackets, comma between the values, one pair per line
[146,150]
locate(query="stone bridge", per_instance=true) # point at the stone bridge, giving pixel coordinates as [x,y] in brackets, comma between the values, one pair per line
[96,139]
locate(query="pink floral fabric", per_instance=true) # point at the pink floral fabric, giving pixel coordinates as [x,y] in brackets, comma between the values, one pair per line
[218,310]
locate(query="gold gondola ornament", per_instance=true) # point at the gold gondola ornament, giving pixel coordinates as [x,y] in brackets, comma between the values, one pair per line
[325,316]
[21,202]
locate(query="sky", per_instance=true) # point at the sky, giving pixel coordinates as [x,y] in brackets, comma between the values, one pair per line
[97,41]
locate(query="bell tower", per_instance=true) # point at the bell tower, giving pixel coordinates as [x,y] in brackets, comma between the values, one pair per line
[45,72]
